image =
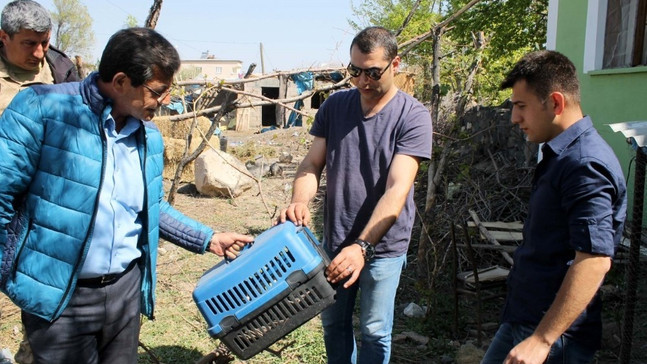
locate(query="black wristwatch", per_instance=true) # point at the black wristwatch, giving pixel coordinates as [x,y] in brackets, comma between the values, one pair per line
[368,249]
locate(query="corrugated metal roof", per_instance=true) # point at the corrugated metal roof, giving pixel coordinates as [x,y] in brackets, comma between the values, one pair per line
[634,131]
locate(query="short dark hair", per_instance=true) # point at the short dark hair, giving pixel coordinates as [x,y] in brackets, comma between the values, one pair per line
[25,14]
[141,53]
[374,37]
[545,72]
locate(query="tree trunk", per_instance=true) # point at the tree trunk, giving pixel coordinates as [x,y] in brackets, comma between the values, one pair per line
[154,14]
[434,173]
[479,44]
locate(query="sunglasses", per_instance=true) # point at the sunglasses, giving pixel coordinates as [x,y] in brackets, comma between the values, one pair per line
[373,73]
[160,96]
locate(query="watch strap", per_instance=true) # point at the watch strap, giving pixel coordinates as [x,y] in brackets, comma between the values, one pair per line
[368,249]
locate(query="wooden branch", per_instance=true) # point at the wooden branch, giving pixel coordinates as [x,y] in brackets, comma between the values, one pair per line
[274,101]
[189,158]
[514,225]
[246,173]
[152,355]
[238,105]
[504,248]
[434,175]
[180,166]
[154,14]
[480,43]
[220,355]
[254,79]
[185,155]
[424,242]
[412,43]
[408,18]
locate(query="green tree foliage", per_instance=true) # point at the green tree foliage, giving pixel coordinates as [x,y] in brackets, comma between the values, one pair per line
[72,28]
[510,27]
[510,24]
[131,22]
[392,14]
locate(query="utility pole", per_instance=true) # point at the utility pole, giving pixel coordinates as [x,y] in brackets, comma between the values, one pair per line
[262,61]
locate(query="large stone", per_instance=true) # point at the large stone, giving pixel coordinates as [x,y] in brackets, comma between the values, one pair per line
[219,174]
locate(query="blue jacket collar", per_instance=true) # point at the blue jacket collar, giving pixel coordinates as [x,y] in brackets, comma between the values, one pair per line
[92,96]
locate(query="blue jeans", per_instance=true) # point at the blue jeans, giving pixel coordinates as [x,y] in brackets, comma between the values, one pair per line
[563,351]
[378,283]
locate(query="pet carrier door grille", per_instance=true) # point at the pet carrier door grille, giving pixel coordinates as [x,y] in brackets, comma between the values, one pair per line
[254,286]
[288,308]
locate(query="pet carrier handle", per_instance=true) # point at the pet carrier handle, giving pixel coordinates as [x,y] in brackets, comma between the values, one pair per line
[312,236]
[245,247]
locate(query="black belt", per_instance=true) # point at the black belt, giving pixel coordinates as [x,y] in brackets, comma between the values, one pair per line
[106,279]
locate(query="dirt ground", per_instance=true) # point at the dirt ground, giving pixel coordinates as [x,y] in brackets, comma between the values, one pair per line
[249,213]
[178,335]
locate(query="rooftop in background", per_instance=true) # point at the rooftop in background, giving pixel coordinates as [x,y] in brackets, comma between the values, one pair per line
[210,69]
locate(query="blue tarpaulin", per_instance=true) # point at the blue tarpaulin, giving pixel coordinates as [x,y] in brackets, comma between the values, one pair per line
[177,106]
[304,82]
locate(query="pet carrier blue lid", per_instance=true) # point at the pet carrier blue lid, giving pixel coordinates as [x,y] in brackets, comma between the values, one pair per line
[278,260]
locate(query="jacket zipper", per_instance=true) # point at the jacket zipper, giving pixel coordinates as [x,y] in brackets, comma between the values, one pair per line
[145,222]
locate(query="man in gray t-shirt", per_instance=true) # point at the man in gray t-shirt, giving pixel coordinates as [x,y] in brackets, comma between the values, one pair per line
[371,140]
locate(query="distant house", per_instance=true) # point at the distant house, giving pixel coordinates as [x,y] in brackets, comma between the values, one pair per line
[270,115]
[276,86]
[607,42]
[210,69]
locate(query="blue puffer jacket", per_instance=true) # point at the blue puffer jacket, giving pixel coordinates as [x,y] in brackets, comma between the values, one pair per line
[52,153]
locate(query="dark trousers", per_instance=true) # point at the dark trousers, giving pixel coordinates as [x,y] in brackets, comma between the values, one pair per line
[99,325]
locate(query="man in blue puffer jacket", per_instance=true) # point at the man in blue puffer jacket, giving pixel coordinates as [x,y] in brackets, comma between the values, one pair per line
[81,204]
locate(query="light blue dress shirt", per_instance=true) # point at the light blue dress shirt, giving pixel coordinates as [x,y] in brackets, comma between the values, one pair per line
[118,223]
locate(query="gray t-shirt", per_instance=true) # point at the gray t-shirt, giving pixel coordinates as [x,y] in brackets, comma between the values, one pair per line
[359,152]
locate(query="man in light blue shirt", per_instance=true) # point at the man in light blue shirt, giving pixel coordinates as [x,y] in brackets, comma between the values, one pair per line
[117,225]
[82,208]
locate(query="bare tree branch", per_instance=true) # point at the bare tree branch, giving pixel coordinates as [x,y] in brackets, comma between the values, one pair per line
[280,102]
[254,79]
[412,43]
[408,18]
[154,14]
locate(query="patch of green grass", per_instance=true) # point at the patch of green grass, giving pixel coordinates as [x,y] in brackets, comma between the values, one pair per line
[179,332]
[250,150]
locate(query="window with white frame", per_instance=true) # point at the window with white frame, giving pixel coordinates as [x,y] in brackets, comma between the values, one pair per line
[624,39]
[616,34]
[218,70]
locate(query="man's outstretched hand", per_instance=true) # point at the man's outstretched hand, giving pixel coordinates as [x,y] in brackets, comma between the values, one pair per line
[228,244]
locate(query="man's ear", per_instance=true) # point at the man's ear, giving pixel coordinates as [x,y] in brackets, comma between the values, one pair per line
[4,37]
[396,64]
[120,82]
[558,102]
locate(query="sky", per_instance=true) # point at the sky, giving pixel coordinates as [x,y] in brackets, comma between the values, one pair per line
[294,33]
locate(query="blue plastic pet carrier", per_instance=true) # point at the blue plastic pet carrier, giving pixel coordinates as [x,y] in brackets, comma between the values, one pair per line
[274,286]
